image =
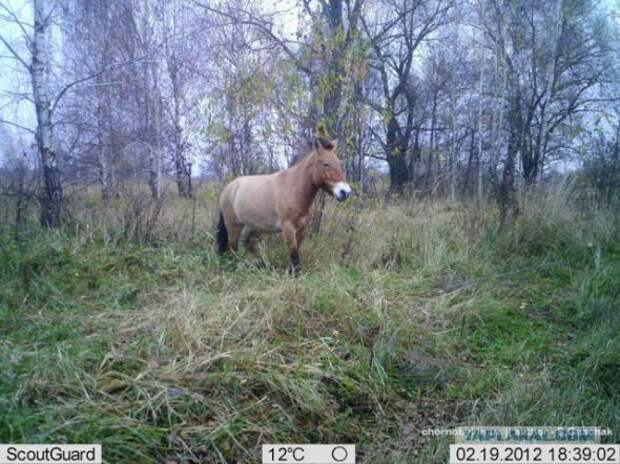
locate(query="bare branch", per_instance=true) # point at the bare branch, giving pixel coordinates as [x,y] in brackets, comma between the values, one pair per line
[19,126]
[14,53]
[64,90]
[16,20]
[262,26]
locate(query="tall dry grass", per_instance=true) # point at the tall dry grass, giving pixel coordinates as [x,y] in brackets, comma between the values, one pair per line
[127,329]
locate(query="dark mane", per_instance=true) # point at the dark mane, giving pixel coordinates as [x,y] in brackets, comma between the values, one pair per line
[309,146]
[325,143]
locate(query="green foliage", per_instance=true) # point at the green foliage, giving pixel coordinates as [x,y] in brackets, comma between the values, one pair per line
[406,317]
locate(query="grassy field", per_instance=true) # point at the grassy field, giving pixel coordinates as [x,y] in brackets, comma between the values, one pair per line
[129,331]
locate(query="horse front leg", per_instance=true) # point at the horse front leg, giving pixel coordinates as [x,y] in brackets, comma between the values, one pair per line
[304,225]
[290,236]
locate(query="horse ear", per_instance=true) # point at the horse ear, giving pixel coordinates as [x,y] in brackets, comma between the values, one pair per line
[326,144]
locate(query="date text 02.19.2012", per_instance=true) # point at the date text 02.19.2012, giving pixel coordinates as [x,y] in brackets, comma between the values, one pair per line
[548,453]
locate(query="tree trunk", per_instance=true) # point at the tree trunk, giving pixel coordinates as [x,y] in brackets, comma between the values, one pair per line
[155,149]
[106,177]
[183,175]
[479,186]
[433,143]
[183,170]
[498,117]
[543,134]
[104,106]
[334,50]
[470,159]
[397,164]
[508,206]
[104,171]
[529,164]
[182,166]
[52,196]
[453,149]
[416,157]
[399,175]
[507,200]
[155,172]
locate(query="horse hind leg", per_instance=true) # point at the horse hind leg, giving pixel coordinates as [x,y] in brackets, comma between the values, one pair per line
[250,243]
[221,235]
[233,228]
[234,232]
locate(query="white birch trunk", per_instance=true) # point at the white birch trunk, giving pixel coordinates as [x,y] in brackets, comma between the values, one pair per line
[155,145]
[52,196]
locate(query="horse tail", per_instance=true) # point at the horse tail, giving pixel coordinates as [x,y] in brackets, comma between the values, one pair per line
[222,236]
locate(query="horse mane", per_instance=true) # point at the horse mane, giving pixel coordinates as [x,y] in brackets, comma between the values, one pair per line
[325,143]
[310,146]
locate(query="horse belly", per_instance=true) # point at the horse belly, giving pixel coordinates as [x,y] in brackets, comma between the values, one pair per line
[255,208]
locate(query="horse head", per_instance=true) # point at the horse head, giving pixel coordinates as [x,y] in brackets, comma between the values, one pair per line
[328,173]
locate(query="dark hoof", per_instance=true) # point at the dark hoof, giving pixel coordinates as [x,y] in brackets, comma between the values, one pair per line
[294,271]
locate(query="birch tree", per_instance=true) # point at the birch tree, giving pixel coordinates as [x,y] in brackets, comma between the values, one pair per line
[37,65]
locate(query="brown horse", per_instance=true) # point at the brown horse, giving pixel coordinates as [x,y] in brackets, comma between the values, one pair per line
[280,202]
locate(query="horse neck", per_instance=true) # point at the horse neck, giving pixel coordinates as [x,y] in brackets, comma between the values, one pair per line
[304,180]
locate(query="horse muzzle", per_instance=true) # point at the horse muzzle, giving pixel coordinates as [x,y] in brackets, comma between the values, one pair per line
[342,191]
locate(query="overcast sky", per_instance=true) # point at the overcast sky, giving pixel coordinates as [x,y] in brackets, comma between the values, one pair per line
[14,80]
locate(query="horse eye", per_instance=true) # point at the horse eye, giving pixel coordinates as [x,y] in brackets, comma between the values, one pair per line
[326,165]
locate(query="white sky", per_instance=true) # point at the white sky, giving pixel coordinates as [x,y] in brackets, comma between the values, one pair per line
[14,80]
[13,77]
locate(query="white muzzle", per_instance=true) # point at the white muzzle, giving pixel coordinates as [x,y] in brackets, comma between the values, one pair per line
[342,191]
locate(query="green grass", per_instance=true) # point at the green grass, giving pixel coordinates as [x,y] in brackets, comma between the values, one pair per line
[406,317]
